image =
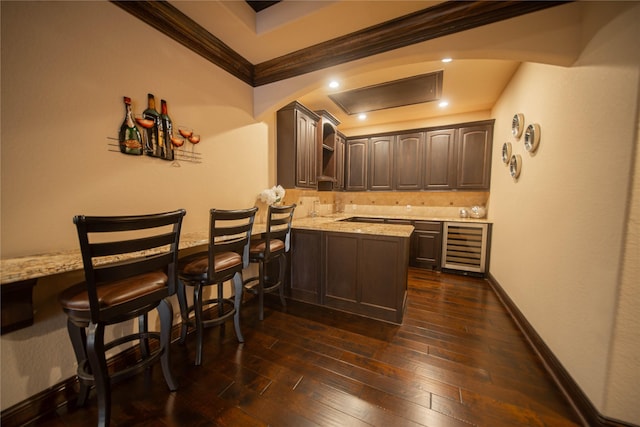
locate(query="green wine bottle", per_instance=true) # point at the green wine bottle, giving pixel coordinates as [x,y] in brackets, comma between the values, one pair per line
[153,138]
[129,136]
[167,131]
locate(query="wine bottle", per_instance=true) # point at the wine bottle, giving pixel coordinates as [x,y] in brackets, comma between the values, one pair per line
[153,137]
[167,130]
[129,136]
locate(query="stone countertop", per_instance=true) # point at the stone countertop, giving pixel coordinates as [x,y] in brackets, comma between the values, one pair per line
[334,223]
[35,266]
[47,264]
[355,214]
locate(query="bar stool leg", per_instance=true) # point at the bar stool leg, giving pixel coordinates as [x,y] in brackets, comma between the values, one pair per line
[237,303]
[184,310]
[282,259]
[197,305]
[261,290]
[165,310]
[96,355]
[78,338]
[143,329]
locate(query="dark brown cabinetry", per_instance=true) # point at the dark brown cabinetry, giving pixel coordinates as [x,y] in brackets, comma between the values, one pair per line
[407,161]
[474,157]
[358,273]
[306,249]
[327,156]
[381,163]
[440,160]
[455,158]
[426,244]
[340,161]
[297,146]
[356,159]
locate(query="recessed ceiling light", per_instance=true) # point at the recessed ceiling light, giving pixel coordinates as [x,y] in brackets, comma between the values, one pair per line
[362,116]
[334,84]
[443,104]
[447,59]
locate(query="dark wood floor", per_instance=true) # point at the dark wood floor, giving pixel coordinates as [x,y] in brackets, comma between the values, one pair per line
[457,360]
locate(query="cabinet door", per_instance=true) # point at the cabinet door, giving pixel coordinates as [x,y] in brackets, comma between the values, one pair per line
[440,161]
[426,250]
[356,164]
[381,163]
[339,155]
[306,252]
[408,164]
[474,157]
[306,152]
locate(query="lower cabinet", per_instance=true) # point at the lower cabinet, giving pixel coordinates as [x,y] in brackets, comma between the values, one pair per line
[306,249]
[426,244]
[357,273]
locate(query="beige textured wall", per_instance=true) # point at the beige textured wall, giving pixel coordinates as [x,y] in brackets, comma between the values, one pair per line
[64,73]
[559,234]
[65,68]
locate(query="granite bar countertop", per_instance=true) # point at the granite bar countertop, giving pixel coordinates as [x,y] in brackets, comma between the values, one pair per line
[35,266]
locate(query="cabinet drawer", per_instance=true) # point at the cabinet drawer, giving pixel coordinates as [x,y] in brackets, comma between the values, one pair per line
[428,225]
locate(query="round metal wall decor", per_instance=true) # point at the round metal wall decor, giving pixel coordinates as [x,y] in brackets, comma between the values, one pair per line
[506,152]
[515,165]
[532,137]
[517,125]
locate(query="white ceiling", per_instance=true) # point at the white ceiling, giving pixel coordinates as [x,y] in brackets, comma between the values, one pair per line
[485,58]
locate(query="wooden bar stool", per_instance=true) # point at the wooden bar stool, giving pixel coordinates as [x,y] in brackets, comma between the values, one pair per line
[228,254]
[130,269]
[274,246]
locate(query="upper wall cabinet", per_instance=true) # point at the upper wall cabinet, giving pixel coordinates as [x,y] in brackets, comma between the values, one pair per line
[440,160]
[381,163]
[474,157]
[407,161]
[341,141]
[356,161]
[455,158]
[327,155]
[297,146]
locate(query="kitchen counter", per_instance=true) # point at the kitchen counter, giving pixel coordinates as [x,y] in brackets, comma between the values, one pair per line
[336,223]
[34,266]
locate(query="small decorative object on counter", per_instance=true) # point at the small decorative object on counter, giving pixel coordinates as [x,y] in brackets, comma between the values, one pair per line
[167,131]
[464,213]
[478,212]
[153,137]
[272,195]
[129,137]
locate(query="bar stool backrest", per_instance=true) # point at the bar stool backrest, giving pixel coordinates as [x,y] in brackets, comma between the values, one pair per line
[279,221]
[230,231]
[119,247]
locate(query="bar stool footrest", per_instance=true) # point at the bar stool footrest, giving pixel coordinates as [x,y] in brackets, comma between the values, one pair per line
[84,371]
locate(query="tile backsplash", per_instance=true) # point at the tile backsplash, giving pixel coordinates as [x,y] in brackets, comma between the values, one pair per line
[445,203]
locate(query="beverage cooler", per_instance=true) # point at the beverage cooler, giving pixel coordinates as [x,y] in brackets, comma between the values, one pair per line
[464,247]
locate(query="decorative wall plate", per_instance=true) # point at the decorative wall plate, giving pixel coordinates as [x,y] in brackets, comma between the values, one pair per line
[515,165]
[517,125]
[532,137]
[506,152]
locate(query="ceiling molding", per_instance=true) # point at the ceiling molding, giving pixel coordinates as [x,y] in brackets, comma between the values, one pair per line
[443,19]
[167,19]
